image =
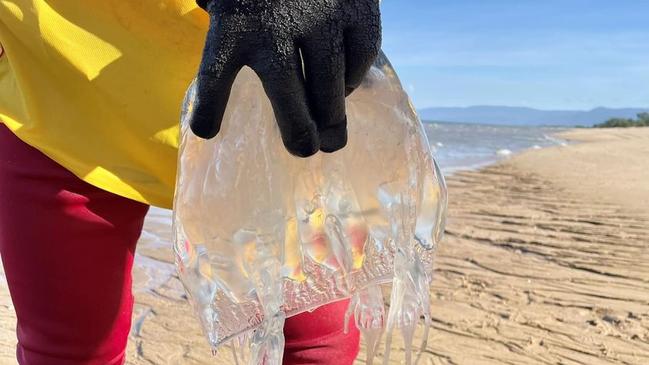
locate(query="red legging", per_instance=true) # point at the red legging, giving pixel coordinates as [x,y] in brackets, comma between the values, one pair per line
[67,248]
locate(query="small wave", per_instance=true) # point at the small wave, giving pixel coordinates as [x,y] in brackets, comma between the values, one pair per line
[536,147]
[439,144]
[504,152]
[554,140]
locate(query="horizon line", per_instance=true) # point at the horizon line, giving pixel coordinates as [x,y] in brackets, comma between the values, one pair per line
[531,107]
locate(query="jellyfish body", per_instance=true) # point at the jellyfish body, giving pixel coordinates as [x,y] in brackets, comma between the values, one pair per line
[261,235]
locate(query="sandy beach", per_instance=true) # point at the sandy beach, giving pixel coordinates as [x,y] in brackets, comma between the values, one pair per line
[545,261]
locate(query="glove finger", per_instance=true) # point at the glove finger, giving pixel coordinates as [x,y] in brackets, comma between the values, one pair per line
[218,70]
[324,68]
[362,46]
[283,82]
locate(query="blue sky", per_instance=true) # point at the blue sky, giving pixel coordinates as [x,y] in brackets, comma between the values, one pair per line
[548,54]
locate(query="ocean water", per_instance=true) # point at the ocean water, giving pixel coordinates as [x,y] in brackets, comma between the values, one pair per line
[459,146]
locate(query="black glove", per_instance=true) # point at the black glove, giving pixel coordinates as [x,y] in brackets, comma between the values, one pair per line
[309,54]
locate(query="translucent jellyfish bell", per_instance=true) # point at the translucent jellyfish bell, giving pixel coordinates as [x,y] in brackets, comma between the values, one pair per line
[261,235]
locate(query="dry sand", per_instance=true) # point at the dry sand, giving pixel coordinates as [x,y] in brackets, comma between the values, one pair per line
[546,261]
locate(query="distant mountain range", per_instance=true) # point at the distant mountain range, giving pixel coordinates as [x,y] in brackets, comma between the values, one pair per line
[507,115]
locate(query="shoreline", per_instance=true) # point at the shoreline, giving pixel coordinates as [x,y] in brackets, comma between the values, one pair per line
[512,144]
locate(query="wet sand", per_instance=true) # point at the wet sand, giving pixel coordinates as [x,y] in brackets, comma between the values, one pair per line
[546,261]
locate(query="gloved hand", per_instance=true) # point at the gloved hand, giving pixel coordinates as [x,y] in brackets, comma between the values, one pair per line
[309,54]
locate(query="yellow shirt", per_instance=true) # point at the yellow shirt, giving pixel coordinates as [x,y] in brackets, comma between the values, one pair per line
[97,86]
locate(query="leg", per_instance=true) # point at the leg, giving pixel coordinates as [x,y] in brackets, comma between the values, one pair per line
[67,249]
[317,338]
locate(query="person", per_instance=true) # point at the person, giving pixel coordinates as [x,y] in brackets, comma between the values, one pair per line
[89,102]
